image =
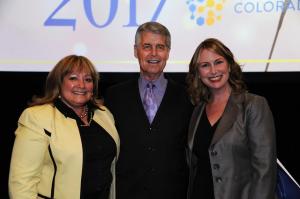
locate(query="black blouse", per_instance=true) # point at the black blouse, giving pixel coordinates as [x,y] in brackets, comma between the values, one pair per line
[99,150]
[203,184]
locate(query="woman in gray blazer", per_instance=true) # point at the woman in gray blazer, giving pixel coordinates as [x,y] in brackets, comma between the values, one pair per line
[231,143]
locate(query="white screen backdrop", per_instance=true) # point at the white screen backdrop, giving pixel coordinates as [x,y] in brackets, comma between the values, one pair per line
[35,34]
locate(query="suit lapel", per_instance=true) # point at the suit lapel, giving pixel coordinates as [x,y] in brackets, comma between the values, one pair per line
[228,117]
[137,101]
[167,97]
[197,113]
[103,119]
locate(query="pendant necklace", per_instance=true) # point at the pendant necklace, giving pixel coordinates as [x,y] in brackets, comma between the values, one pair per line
[85,112]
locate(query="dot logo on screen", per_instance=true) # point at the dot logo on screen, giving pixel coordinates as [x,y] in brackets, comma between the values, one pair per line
[206,12]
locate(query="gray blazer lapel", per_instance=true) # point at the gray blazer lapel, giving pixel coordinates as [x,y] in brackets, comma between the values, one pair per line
[228,117]
[194,123]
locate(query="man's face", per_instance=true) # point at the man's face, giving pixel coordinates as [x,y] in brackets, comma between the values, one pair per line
[152,53]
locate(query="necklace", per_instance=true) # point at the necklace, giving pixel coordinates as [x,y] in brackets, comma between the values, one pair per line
[85,112]
[89,122]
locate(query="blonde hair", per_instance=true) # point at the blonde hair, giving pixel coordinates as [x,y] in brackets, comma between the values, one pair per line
[56,75]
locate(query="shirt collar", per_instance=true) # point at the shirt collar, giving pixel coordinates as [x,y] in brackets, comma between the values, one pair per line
[68,112]
[160,82]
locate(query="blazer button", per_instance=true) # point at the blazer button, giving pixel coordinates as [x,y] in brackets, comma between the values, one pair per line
[153,129]
[219,179]
[213,153]
[151,149]
[216,166]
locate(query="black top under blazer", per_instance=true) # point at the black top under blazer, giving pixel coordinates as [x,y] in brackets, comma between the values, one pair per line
[152,160]
[242,152]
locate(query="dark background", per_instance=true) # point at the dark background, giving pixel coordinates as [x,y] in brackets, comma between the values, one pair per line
[280,88]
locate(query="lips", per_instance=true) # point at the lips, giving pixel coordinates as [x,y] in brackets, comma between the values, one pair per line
[153,61]
[216,77]
[80,92]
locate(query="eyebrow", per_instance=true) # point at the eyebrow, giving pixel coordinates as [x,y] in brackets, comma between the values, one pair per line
[222,58]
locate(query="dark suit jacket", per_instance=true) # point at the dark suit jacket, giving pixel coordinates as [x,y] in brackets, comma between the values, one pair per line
[242,152]
[152,160]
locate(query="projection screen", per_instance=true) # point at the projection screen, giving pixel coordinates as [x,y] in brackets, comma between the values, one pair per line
[263,34]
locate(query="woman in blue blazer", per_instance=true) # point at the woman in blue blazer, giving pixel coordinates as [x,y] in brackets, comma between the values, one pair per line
[231,141]
[66,142]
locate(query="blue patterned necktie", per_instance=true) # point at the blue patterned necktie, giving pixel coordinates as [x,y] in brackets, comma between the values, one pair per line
[149,102]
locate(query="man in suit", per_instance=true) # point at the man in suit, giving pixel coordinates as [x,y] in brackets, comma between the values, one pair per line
[152,160]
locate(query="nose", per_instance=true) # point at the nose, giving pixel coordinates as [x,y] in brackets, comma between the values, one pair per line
[81,83]
[212,69]
[153,51]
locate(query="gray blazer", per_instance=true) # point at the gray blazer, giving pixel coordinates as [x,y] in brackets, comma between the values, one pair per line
[242,151]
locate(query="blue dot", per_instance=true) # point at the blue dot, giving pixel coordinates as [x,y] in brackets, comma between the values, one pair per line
[189,1]
[201,1]
[200,21]
[192,8]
